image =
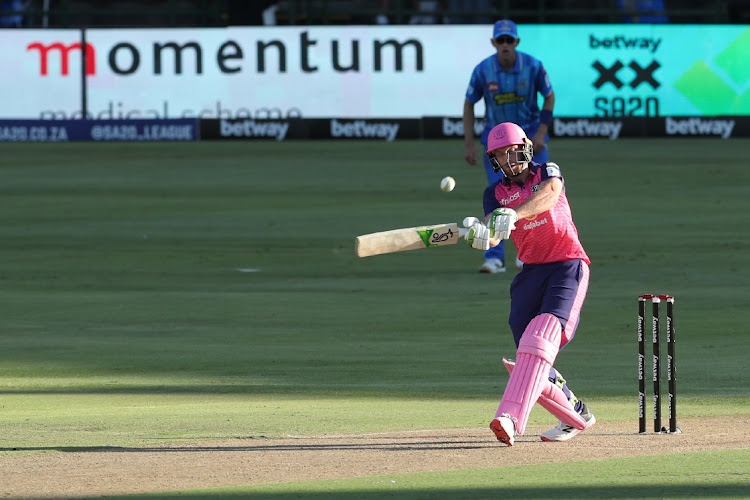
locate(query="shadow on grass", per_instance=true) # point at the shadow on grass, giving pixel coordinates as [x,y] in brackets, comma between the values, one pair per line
[261,389]
[261,447]
[718,490]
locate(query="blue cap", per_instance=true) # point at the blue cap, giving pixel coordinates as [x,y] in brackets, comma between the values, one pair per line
[505,27]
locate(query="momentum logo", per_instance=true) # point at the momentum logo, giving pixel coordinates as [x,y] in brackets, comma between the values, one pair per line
[64,53]
[272,56]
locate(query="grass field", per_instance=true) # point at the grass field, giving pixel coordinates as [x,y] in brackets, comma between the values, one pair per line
[161,293]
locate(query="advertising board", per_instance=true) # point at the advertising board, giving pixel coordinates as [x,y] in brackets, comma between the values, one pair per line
[366,71]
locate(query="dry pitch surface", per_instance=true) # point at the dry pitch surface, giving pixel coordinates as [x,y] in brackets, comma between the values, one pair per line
[111,471]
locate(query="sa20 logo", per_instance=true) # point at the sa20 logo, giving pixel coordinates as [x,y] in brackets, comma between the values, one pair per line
[626,106]
[642,74]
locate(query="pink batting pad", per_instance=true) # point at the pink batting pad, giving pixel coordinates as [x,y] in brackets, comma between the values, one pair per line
[554,401]
[536,353]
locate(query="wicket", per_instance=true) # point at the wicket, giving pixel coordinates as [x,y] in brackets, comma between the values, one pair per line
[656,366]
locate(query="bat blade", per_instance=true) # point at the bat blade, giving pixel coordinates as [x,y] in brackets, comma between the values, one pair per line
[408,238]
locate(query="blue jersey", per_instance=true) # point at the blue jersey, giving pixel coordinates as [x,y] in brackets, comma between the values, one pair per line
[509,96]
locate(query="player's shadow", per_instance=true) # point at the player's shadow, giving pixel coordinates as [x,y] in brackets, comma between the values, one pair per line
[390,445]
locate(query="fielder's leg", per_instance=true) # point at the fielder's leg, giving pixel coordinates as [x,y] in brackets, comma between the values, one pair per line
[537,351]
[491,256]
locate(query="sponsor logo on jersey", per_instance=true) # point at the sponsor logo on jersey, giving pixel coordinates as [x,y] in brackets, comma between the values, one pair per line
[536,223]
[510,199]
[553,170]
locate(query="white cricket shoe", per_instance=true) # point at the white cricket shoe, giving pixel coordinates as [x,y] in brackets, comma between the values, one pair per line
[504,429]
[519,263]
[563,431]
[492,266]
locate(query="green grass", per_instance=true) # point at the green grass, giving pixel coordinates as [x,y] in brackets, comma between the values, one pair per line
[126,322]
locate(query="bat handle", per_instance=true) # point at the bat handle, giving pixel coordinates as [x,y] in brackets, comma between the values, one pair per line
[462,234]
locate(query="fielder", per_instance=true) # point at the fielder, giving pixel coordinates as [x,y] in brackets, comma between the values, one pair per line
[510,82]
[529,204]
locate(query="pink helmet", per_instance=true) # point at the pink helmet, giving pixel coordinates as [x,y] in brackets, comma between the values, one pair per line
[508,134]
[505,134]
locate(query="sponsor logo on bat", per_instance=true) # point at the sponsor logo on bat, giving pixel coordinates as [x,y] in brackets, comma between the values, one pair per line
[432,237]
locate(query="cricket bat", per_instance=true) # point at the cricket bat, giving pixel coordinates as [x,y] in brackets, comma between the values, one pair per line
[408,238]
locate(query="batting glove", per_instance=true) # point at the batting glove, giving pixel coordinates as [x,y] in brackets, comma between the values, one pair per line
[478,235]
[502,222]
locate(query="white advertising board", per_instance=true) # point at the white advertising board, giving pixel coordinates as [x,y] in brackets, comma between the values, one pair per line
[367,71]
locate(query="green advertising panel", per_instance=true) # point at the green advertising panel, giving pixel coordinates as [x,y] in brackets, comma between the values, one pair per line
[644,70]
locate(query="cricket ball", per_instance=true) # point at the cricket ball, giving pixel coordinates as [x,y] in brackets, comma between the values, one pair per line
[447,184]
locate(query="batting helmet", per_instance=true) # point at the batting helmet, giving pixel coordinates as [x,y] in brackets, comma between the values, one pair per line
[508,134]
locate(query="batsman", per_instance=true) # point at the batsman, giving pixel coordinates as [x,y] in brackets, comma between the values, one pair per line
[529,205]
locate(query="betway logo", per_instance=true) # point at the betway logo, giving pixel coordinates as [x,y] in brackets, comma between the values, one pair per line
[456,127]
[700,126]
[586,128]
[622,42]
[251,128]
[64,51]
[362,129]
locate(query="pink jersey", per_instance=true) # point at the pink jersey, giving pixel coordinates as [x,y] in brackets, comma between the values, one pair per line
[548,237]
